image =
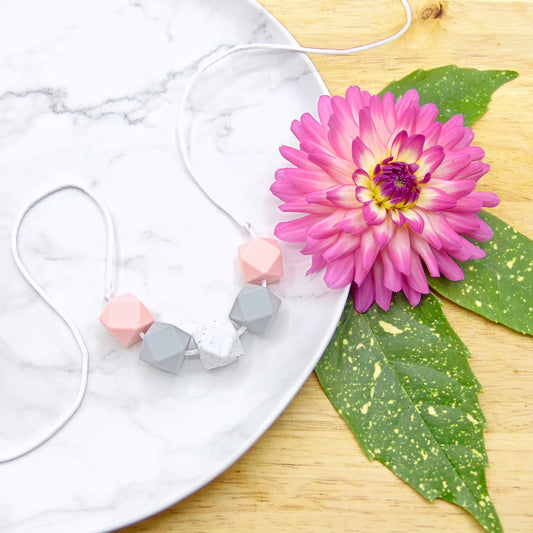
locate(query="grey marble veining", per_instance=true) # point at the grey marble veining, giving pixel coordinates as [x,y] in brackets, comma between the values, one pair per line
[88,95]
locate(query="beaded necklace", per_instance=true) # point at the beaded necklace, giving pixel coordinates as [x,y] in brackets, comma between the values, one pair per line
[164,345]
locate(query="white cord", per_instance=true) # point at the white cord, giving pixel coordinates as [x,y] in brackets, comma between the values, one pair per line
[181,132]
[111,248]
[110,278]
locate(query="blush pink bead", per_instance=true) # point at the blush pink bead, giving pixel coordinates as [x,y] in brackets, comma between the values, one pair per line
[261,260]
[126,318]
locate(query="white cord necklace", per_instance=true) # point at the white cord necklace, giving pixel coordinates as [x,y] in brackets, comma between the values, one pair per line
[164,345]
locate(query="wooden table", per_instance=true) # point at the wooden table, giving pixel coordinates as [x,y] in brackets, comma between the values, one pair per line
[307,473]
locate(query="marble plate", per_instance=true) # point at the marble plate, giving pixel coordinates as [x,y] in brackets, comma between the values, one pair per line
[88,95]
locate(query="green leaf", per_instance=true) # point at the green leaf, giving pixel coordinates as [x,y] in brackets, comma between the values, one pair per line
[500,285]
[402,382]
[454,90]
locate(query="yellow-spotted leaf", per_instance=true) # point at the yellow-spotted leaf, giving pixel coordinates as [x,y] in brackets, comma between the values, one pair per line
[402,382]
[456,91]
[500,285]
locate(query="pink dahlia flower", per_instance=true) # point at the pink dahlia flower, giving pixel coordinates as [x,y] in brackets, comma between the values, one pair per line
[387,192]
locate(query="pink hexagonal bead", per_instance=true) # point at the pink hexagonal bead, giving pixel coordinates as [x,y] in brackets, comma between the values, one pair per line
[261,260]
[126,318]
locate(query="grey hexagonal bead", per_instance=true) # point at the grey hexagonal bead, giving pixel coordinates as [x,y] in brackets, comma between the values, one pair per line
[164,347]
[255,307]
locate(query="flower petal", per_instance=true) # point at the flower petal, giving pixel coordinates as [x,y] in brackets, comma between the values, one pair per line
[452,163]
[432,134]
[476,153]
[340,142]
[284,190]
[324,109]
[344,245]
[411,294]
[450,136]
[326,225]
[353,222]
[463,222]
[364,295]
[339,169]
[430,160]
[425,251]
[428,233]
[483,233]
[296,157]
[360,273]
[356,99]
[392,278]
[399,250]
[467,204]
[389,110]
[473,171]
[414,220]
[369,250]
[314,130]
[364,195]
[362,156]
[376,110]
[487,199]
[417,279]
[361,178]
[434,199]
[345,118]
[450,239]
[303,206]
[407,120]
[309,145]
[318,198]
[383,295]
[317,246]
[374,214]
[397,217]
[396,144]
[370,136]
[339,273]
[384,232]
[468,137]
[295,230]
[342,196]
[455,188]
[426,117]
[317,263]
[448,267]
[467,251]
[303,180]
[407,100]
[411,149]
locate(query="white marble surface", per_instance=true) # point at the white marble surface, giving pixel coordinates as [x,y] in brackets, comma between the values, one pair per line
[88,94]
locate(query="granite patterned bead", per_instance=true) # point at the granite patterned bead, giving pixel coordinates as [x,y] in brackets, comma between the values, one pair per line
[255,307]
[219,344]
[261,260]
[126,318]
[164,347]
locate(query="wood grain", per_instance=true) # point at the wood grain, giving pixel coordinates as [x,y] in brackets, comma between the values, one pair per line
[307,473]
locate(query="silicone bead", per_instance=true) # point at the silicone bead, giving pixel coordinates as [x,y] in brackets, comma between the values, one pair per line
[219,344]
[164,346]
[261,260]
[256,308]
[126,318]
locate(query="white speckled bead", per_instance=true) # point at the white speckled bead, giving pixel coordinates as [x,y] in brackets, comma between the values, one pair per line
[219,344]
